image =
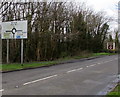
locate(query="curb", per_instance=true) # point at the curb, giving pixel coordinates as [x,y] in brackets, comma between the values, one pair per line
[63,62]
[110,87]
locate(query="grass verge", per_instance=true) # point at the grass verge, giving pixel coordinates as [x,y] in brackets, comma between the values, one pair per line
[115,92]
[10,67]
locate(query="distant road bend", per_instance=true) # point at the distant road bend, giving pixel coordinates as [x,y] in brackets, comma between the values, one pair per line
[87,77]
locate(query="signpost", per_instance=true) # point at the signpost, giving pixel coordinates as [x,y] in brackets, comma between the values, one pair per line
[111,46]
[14,30]
[0,44]
[0,56]
[7,50]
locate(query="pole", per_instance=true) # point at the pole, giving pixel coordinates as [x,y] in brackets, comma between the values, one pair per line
[21,51]
[0,41]
[7,51]
[0,51]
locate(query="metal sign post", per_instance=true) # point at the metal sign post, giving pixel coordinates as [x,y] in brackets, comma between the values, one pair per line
[0,40]
[0,60]
[0,51]
[0,45]
[7,51]
[21,51]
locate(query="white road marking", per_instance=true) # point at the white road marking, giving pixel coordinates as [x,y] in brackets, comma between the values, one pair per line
[87,66]
[98,63]
[107,61]
[39,80]
[74,70]
[1,90]
[79,69]
[113,60]
[91,65]
[104,62]
[71,71]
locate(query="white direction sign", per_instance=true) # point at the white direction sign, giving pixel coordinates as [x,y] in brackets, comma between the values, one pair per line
[14,30]
[111,45]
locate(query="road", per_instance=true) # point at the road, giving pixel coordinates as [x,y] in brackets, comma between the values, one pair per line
[88,77]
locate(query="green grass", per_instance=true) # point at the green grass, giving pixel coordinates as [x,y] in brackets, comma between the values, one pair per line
[10,67]
[97,54]
[92,55]
[115,92]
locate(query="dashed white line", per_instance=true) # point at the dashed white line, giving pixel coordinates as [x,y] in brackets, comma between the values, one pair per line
[98,63]
[110,60]
[91,65]
[87,66]
[103,62]
[107,61]
[31,82]
[1,90]
[74,70]
[79,69]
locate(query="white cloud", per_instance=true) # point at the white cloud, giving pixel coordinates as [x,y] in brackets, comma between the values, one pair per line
[108,6]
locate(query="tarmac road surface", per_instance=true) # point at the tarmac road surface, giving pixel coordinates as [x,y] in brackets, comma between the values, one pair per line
[88,77]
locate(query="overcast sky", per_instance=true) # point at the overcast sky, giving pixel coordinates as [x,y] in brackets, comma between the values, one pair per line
[108,6]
